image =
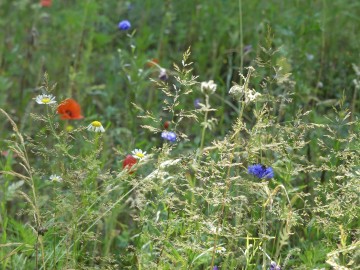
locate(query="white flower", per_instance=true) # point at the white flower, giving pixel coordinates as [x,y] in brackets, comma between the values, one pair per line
[208,88]
[45,99]
[96,127]
[220,250]
[214,229]
[138,153]
[55,178]
[251,95]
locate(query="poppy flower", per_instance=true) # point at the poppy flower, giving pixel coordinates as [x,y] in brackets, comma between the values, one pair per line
[129,161]
[166,124]
[153,62]
[69,109]
[45,3]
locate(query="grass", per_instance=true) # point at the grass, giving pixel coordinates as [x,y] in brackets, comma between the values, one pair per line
[291,70]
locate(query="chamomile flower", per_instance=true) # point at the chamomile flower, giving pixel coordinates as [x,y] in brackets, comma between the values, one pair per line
[138,154]
[96,126]
[45,99]
[220,250]
[55,178]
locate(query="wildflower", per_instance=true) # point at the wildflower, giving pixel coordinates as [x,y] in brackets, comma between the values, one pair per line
[237,91]
[45,99]
[169,135]
[247,49]
[215,268]
[69,128]
[166,124]
[163,75]
[208,88]
[220,250]
[138,154]
[69,109]
[197,103]
[274,266]
[55,178]
[45,3]
[128,162]
[310,56]
[261,171]
[96,127]
[153,62]
[213,229]
[124,25]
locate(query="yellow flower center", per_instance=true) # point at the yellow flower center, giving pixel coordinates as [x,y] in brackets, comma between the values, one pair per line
[69,128]
[140,155]
[45,100]
[96,124]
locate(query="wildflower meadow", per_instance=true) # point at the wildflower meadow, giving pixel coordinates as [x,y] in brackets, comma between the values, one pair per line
[189,134]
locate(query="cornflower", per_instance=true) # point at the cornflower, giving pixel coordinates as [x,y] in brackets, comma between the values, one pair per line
[261,171]
[169,136]
[124,25]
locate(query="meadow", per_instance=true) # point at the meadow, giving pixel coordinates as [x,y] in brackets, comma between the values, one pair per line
[191,134]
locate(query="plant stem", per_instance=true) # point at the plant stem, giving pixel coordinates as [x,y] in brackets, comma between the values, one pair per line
[205,122]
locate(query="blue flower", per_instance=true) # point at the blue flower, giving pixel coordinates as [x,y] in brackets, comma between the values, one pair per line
[169,135]
[274,266]
[124,25]
[261,171]
[197,103]
[215,268]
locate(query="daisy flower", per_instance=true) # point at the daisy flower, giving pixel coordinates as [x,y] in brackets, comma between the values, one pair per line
[96,126]
[45,99]
[138,154]
[55,178]
[220,250]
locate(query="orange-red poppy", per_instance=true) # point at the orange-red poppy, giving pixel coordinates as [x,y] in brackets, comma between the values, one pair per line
[45,3]
[128,162]
[153,62]
[69,109]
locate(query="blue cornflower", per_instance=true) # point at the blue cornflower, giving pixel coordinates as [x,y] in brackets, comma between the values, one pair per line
[274,266]
[197,103]
[261,171]
[169,135]
[124,25]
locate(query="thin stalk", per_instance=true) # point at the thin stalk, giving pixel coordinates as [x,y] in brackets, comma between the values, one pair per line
[205,122]
[227,188]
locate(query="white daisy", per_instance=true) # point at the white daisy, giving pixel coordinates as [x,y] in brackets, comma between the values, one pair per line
[96,127]
[45,99]
[55,178]
[220,250]
[138,153]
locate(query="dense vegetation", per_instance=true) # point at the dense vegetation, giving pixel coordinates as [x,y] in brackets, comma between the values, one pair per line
[192,134]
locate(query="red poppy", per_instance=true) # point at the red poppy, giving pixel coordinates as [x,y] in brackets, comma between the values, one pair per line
[45,3]
[129,161]
[166,124]
[153,62]
[69,109]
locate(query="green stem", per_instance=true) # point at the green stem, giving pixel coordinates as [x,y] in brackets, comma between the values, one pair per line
[205,122]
